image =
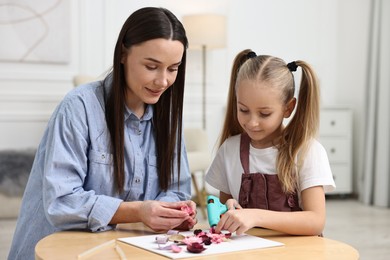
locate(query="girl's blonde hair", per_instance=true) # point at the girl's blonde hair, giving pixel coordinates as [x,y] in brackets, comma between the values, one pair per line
[303,126]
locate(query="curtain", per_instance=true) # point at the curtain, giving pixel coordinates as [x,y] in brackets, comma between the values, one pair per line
[374,185]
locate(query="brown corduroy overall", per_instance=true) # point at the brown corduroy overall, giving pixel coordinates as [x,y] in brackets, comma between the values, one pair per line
[263,191]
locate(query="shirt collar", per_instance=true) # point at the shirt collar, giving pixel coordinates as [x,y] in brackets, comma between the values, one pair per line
[148,115]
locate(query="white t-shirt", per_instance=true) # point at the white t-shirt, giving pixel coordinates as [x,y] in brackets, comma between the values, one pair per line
[225,171]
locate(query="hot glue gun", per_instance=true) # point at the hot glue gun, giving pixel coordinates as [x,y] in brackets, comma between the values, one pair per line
[214,210]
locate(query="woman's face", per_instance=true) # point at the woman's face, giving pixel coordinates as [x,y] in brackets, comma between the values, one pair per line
[150,68]
[260,112]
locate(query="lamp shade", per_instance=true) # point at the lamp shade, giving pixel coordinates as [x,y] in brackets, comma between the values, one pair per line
[205,30]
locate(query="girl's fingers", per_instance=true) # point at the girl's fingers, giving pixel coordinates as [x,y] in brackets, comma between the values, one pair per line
[238,206]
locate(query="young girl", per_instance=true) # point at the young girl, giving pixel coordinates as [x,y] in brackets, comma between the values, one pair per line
[270,175]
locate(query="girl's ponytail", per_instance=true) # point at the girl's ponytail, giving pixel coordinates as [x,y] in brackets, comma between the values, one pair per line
[302,128]
[231,125]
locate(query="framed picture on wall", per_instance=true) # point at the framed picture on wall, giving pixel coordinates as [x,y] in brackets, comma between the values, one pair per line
[35,31]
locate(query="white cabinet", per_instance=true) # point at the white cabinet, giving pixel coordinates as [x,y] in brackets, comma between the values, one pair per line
[335,134]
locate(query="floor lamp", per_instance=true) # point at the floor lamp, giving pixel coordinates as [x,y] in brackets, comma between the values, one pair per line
[207,31]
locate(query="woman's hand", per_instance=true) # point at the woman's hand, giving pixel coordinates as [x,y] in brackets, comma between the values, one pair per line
[163,216]
[190,223]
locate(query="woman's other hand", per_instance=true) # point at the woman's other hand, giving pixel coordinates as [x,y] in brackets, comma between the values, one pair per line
[190,207]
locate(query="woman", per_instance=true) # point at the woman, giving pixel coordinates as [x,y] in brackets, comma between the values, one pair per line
[113,152]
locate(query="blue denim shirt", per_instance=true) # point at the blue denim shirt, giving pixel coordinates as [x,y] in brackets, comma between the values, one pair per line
[71,182]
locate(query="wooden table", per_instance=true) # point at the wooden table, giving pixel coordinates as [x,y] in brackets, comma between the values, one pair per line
[71,244]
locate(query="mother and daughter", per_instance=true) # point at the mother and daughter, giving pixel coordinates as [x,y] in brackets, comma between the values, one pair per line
[113,150]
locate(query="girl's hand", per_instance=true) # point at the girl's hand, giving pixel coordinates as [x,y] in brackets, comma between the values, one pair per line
[232,204]
[238,221]
[163,216]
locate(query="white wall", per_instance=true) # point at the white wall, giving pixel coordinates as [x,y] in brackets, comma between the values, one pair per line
[30,91]
[332,35]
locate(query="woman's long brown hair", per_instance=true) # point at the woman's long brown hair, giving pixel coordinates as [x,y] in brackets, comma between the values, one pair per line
[143,25]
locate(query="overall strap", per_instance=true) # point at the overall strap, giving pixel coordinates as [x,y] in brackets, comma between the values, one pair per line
[244,152]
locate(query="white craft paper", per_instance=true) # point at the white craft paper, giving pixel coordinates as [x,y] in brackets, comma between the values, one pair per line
[236,243]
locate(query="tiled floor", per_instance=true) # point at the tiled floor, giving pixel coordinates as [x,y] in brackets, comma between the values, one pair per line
[365,228]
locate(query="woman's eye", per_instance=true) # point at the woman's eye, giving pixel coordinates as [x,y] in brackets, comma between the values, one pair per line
[173,69]
[151,67]
[243,110]
[265,115]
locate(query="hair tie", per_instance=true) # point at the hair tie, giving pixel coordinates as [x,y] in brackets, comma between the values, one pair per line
[251,54]
[292,66]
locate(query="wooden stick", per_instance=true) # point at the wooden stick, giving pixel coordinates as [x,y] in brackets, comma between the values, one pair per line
[120,252]
[96,249]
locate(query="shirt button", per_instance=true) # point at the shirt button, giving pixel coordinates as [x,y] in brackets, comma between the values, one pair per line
[137,180]
[103,156]
[139,132]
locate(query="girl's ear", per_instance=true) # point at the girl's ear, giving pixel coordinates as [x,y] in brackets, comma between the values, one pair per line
[290,107]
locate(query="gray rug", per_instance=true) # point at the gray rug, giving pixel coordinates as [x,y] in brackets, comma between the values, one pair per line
[15,168]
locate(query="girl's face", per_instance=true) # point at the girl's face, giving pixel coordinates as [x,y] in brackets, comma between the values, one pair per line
[150,69]
[260,112]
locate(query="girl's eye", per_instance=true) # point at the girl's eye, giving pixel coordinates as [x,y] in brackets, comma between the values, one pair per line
[265,115]
[243,110]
